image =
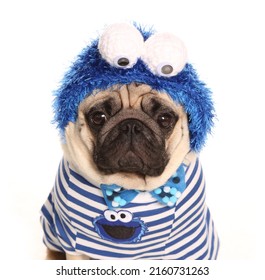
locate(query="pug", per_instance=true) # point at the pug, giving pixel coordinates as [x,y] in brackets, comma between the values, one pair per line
[130,184]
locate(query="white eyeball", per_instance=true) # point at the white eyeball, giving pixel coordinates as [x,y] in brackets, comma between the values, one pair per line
[111,216]
[164,54]
[121,45]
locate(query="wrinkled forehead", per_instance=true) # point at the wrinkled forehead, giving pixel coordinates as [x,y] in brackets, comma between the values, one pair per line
[129,96]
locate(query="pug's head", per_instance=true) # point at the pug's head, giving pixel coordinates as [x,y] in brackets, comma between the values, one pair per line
[129,135]
[122,108]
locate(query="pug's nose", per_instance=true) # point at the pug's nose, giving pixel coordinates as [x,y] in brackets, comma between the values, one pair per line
[131,127]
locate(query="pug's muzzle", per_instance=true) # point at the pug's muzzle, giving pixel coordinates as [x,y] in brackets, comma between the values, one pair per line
[131,142]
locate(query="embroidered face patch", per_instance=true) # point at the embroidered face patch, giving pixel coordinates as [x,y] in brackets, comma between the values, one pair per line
[119,227]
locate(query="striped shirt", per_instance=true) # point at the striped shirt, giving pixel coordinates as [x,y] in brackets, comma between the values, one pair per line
[76,220]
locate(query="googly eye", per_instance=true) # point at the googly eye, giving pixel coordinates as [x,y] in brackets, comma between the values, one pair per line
[111,216]
[164,54]
[121,45]
[125,216]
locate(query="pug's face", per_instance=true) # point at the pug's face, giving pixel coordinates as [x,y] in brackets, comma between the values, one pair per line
[128,133]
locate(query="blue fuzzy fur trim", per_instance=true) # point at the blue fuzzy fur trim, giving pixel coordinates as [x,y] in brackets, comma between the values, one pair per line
[90,72]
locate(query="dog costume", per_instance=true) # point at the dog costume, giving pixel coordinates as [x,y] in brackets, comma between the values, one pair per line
[109,221]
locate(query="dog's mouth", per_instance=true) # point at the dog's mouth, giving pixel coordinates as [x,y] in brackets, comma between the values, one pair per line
[132,163]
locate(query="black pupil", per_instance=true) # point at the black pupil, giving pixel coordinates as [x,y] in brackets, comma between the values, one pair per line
[99,118]
[112,217]
[167,69]
[123,216]
[165,120]
[123,61]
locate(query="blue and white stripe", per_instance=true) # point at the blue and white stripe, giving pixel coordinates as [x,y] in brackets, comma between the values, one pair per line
[182,232]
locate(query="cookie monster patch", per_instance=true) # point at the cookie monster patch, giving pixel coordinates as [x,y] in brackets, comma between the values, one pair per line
[119,227]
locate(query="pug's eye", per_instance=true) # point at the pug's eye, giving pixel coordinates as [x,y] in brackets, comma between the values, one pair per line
[98,118]
[165,120]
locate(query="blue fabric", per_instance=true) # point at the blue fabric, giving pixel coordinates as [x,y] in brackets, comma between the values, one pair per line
[116,197]
[90,72]
[171,191]
[168,194]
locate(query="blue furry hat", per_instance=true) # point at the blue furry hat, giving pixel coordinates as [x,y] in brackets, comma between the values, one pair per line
[149,60]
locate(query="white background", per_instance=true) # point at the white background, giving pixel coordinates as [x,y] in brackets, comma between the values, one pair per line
[225,41]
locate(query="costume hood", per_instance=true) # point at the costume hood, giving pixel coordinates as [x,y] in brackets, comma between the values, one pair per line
[124,54]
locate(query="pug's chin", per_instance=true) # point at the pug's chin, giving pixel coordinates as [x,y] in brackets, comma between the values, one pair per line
[133,171]
[128,180]
[131,163]
[127,174]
